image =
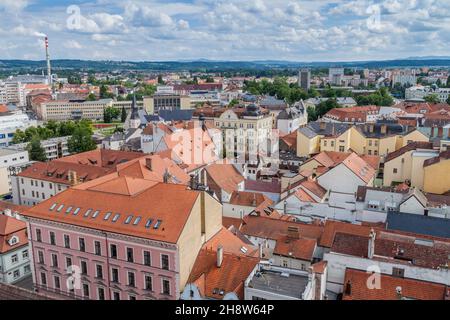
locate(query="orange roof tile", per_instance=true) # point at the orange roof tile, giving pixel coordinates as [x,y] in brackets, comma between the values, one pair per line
[302,249]
[268,228]
[410,288]
[225,176]
[333,227]
[249,199]
[230,277]
[152,201]
[10,227]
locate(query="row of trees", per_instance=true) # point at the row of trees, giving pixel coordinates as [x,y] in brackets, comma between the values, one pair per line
[434,98]
[111,114]
[279,88]
[80,141]
[379,98]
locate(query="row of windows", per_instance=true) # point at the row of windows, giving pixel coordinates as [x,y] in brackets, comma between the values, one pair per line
[116,295]
[129,252]
[15,257]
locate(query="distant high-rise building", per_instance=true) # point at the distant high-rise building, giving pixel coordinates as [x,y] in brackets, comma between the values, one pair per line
[336,75]
[304,79]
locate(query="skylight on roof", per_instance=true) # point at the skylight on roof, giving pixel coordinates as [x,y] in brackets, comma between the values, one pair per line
[69,209]
[107,215]
[87,213]
[116,217]
[128,220]
[137,220]
[53,207]
[95,214]
[60,208]
[76,211]
[148,223]
[157,224]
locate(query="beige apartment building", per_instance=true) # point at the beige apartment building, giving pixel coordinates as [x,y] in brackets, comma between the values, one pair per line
[244,129]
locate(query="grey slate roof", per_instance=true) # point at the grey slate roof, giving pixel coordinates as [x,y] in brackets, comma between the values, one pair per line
[313,129]
[176,115]
[437,227]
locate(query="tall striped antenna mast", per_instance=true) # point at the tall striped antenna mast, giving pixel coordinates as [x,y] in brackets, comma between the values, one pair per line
[49,67]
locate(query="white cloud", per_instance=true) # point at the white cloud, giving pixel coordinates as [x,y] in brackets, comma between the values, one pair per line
[72,44]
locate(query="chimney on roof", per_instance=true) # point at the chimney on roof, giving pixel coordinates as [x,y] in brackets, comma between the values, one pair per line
[73,177]
[192,182]
[371,127]
[348,288]
[219,256]
[254,200]
[260,247]
[323,125]
[371,249]
[148,163]
[166,176]
[293,232]
[285,207]
[399,292]
[384,128]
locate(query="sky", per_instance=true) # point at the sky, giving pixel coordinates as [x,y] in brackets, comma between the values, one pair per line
[163,30]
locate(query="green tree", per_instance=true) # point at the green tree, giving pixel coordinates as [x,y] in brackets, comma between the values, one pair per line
[35,150]
[123,117]
[91,97]
[432,98]
[448,82]
[448,100]
[325,106]
[19,137]
[160,79]
[233,103]
[81,140]
[104,93]
[110,114]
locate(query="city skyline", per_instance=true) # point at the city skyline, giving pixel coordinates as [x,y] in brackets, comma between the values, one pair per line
[218,30]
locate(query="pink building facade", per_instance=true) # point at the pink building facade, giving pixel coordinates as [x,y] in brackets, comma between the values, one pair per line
[104,265]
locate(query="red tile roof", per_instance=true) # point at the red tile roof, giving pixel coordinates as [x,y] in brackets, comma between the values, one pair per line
[352,114]
[268,228]
[230,277]
[410,288]
[225,176]
[249,199]
[314,187]
[127,196]
[409,147]
[394,247]
[302,249]
[10,227]
[332,227]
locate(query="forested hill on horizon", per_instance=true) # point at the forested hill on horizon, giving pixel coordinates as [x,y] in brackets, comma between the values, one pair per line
[211,65]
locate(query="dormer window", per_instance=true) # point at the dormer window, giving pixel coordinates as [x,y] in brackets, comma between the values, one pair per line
[13,241]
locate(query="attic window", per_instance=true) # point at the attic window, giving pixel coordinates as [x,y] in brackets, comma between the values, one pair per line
[107,215]
[87,213]
[157,224]
[148,223]
[95,214]
[76,211]
[53,207]
[137,220]
[14,240]
[69,209]
[128,220]
[116,217]
[60,208]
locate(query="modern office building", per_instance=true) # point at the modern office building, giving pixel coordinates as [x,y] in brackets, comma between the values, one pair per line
[166,98]
[304,79]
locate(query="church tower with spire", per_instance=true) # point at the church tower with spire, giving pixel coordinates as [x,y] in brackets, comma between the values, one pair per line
[133,121]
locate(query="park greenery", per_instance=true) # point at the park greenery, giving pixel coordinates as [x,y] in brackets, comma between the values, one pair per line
[80,140]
